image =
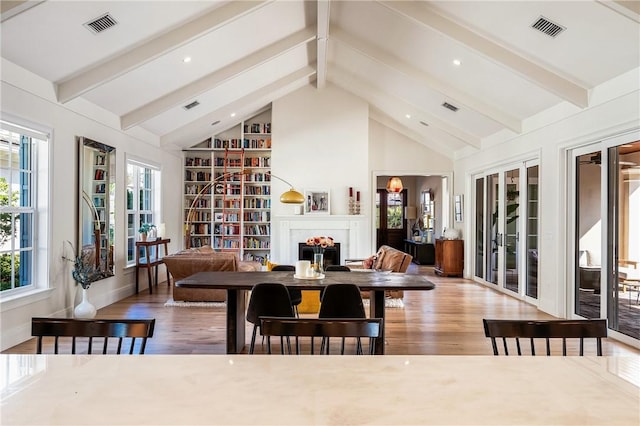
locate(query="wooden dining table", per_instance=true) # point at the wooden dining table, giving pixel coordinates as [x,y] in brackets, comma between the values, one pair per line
[238,283]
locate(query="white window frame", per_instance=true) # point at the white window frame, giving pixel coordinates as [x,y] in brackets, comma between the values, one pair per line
[40,138]
[131,233]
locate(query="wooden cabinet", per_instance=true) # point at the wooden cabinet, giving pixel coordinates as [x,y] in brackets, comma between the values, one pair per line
[449,257]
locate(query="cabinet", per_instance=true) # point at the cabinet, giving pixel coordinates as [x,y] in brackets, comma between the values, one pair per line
[422,253]
[234,214]
[449,257]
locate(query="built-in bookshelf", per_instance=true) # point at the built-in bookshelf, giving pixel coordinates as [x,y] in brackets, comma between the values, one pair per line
[234,213]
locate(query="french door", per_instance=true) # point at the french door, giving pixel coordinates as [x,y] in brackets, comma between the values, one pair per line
[506,228]
[606,233]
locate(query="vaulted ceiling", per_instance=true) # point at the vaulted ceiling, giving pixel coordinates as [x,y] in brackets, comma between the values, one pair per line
[396,55]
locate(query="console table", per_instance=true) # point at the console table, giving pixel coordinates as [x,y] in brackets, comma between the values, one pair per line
[423,253]
[148,257]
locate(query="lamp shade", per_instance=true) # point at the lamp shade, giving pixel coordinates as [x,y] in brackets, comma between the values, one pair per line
[291,197]
[394,184]
[411,212]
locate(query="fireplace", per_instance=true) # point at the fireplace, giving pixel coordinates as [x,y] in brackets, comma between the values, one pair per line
[331,254]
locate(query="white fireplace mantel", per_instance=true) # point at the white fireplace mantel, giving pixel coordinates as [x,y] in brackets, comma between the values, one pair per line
[351,231]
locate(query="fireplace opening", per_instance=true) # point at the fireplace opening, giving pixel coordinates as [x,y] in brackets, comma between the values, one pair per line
[331,254]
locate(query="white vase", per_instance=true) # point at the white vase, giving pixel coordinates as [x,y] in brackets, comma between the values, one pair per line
[84,309]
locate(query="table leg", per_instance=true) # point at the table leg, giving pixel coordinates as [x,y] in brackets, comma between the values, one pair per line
[137,279]
[235,321]
[150,280]
[376,310]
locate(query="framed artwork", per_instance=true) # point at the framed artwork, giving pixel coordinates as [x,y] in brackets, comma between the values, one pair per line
[316,201]
[457,205]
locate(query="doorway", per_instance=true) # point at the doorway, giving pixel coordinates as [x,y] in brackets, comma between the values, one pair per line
[391,225]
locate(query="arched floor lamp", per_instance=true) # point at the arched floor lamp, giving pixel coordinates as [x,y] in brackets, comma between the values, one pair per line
[289,197]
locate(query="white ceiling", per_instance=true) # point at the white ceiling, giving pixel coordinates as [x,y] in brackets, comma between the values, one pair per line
[398,56]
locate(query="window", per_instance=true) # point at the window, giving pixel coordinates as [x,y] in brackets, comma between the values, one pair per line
[19,148]
[143,201]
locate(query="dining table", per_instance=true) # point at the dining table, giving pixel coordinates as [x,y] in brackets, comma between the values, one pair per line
[238,283]
[318,390]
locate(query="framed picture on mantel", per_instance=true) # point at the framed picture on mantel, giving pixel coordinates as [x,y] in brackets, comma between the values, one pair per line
[316,201]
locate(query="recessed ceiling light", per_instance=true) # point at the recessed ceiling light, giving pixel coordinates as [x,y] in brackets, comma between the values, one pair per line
[187,59]
[408,115]
[233,114]
[457,62]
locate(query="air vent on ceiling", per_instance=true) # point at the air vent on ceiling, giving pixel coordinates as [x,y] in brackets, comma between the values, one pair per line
[547,27]
[101,23]
[424,124]
[447,105]
[191,105]
[215,122]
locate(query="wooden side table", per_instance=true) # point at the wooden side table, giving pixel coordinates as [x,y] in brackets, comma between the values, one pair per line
[150,258]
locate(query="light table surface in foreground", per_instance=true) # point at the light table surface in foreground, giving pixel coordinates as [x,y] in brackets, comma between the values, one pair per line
[301,390]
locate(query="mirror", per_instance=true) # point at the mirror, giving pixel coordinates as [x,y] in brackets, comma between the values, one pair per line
[96,196]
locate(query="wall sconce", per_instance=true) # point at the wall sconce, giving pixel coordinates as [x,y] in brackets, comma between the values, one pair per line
[394,184]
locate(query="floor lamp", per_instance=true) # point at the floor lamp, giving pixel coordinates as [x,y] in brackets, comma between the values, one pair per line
[289,197]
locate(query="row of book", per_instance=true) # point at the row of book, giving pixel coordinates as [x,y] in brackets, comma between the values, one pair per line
[229,162]
[222,243]
[246,143]
[227,229]
[197,162]
[257,161]
[200,241]
[201,216]
[257,190]
[200,228]
[254,243]
[100,174]
[257,128]
[258,216]
[263,260]
[197,176]
[261,230]
[257,203]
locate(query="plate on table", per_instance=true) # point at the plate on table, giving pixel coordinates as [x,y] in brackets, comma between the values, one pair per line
[304,277]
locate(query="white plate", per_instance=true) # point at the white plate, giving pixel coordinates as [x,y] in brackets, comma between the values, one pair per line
[319,277]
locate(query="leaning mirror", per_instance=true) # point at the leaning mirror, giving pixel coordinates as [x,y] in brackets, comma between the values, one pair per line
[96,190]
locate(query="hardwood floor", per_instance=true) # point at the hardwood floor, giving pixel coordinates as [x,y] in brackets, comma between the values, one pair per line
[445,321]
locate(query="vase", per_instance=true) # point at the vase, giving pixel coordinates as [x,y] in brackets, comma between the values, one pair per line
[84,309]
[318,263]
[143,236]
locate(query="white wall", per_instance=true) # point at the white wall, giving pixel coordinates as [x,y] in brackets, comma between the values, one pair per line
[27,97]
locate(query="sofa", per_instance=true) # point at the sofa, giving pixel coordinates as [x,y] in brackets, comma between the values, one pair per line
[188,262]
[388,258]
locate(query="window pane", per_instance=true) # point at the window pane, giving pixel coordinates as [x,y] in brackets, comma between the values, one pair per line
[394,211]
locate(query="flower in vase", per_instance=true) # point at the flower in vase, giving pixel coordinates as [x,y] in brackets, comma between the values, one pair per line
[320,243]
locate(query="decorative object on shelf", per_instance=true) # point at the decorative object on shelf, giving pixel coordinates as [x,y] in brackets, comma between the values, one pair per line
[291,196]
[319,244]
[354,201]
[317,201]
[84,273]
[145,229]
[394,184]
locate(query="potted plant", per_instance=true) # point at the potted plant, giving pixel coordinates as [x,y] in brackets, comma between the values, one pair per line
[144,230]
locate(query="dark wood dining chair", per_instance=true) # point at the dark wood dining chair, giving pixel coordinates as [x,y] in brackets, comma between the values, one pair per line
[295,294]
[357,328]
[88,330]
[547,330]
[267,299]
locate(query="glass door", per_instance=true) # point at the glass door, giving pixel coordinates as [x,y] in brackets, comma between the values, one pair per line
[607,234]
[501,256]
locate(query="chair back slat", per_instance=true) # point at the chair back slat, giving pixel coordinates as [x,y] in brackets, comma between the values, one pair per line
[93,329]
[547,330]
[324,328]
